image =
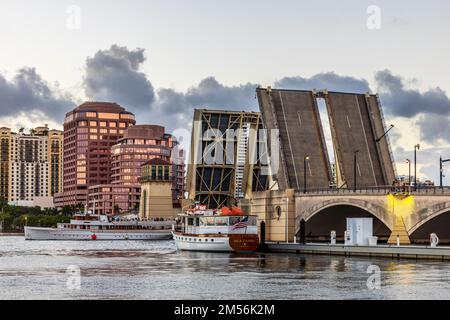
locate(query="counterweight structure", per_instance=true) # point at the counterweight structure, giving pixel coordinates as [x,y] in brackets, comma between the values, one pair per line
[225,157]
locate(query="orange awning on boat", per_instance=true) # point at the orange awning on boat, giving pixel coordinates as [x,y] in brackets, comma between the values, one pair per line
[225,211]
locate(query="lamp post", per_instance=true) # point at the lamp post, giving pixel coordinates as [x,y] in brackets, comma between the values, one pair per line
[354,170]
[384,134]
[408,161]
[416,147]
[441,170]
[305,159]
[287,219]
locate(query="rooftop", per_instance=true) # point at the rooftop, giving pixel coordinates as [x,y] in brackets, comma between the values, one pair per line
[99,106]
[157,161]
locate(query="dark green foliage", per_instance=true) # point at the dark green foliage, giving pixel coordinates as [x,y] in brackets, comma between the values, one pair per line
[14,218]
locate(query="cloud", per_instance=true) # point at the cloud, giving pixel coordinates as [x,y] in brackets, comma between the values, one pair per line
[434,128]
[401,101]
[27,92]
[175,108]
[328,80]
[114,75]
[432,106]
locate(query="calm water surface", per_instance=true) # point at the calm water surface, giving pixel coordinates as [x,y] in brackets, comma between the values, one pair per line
[155,270]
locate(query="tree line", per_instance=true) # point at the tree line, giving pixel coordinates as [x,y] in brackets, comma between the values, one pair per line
[14,218]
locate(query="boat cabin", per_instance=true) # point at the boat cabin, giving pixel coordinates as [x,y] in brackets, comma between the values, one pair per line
[218,224]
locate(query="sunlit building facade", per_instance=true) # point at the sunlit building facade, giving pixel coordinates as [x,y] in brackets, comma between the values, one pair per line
[30,166]
[139,144]
[90,130]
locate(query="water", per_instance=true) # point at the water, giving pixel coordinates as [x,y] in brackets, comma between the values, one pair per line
[155,270]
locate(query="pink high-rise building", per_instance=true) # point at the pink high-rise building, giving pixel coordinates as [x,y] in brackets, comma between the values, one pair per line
[90,130]
[139,144]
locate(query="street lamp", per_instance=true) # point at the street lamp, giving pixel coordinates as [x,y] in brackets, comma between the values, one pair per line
[287,218]
[416,147]
[354,170]
[305,159]
[441,171]
[408,161]
[387,131]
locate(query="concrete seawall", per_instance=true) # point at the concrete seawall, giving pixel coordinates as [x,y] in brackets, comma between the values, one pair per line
[394,252]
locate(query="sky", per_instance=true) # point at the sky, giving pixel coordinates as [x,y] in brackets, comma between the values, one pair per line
[161,58]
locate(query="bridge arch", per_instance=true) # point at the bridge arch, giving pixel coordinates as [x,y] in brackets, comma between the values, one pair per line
[375,210]
[331,215]
[432,220]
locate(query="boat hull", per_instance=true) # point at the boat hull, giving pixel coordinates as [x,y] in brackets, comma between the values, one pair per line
[214,243]
[37,233]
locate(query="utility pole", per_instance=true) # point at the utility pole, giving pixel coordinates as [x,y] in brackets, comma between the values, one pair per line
[416,147]
[408,161]
[354,170]
[305,159]
[441,170]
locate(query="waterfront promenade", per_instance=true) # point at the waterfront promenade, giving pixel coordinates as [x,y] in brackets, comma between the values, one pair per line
[387,251]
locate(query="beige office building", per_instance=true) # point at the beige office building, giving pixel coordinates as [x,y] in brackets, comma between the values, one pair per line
[30,166]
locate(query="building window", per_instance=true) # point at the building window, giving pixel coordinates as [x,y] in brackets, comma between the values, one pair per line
[106,115]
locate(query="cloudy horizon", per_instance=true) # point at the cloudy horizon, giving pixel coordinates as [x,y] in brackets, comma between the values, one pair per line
[35,90]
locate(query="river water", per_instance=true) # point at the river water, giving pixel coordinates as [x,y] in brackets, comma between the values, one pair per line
[155,270]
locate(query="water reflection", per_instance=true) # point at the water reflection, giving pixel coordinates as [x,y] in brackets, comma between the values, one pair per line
[155,270]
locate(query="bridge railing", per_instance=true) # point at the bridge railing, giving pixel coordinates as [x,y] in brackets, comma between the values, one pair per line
[430,190]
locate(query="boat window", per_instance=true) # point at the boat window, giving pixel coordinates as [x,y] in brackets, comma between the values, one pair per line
[207,221]
[190,221]
[249,220]
[221,221]
[234,220]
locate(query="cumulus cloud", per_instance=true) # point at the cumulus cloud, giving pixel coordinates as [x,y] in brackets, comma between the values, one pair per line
[175,108]
[404,102]
[27,92]
[329,80]
[434,128]
[114,75]
[432,106]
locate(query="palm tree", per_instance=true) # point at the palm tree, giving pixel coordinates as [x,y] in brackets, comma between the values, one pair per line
[3,203]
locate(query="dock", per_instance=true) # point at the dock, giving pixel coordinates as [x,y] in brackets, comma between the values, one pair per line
[387,251]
